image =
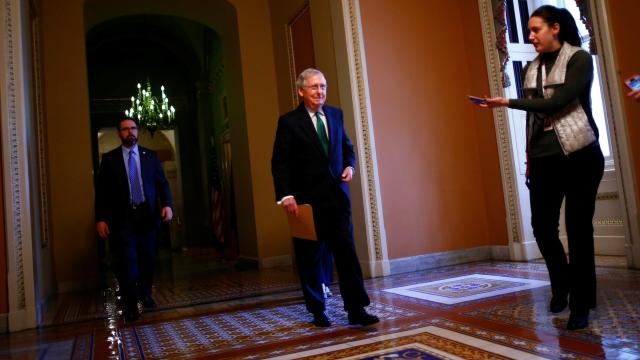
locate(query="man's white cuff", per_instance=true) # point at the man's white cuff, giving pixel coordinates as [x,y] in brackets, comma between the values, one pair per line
[283,199]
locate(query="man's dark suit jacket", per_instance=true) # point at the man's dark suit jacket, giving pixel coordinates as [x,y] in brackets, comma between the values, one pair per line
[299,165]
[112,190]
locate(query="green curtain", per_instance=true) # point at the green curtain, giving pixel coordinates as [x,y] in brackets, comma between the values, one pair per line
[500,23]
[587,20]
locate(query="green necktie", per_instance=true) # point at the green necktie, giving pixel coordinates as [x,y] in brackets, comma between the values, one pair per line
[322,134]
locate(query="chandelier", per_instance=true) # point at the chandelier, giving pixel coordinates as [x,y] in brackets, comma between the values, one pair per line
[151,114]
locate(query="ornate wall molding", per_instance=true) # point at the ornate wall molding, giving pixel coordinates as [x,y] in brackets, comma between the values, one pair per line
[364,130]
[10,126]
[13,116]
[608,196]
[608,221]
[507,168]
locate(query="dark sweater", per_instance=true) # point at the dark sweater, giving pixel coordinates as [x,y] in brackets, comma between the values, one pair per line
[577,84]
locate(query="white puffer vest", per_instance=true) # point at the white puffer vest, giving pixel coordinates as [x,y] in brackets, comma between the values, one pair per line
[571,123]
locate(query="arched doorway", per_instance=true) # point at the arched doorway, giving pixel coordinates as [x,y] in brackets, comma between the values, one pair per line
[186,58]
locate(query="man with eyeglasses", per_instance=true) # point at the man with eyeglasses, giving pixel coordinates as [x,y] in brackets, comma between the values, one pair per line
[312,163]
[130,184]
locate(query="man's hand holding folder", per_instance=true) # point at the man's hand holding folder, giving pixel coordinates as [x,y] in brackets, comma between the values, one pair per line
[301,223]
[289,205]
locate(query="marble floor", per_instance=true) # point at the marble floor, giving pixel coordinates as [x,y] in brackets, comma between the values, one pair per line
[182,279]
[485,310]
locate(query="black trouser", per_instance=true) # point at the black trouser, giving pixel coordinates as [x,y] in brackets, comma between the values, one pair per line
[327,267]
[134,249]
[335,233]
[574,178]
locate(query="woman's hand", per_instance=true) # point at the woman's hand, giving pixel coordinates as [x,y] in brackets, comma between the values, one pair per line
[635,94]
[494,102]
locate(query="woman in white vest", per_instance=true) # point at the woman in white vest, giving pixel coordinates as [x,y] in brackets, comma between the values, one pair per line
[564,157]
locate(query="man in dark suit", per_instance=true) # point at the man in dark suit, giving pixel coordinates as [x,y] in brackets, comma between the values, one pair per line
[130,183]
[312,163]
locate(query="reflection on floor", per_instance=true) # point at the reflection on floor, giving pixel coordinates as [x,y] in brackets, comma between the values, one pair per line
[192,277]
[502,315]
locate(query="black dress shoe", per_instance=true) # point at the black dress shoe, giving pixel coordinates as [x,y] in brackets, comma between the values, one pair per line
[320,319]
[148,303]
[361,317]
[557,304]
[578,321]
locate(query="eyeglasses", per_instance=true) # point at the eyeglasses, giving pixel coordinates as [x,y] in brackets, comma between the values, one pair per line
[316,87]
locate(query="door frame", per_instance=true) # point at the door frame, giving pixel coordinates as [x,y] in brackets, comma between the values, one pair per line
[521,244]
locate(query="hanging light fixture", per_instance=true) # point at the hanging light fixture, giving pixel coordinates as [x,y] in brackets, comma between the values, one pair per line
[151,114]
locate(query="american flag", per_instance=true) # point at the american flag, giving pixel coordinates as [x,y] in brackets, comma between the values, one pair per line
[217,212]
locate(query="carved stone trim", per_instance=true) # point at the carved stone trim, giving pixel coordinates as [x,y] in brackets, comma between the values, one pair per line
[10,124]
[608,196]
[618,221]
[507,167]
[364,127]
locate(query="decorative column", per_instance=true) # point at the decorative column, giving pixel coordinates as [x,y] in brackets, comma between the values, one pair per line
[14,118]
[356,103]
[519,246]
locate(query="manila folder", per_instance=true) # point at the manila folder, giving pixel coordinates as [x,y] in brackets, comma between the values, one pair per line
[302,226]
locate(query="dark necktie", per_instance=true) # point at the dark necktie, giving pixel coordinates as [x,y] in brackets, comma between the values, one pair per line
[134,182]
[322,134]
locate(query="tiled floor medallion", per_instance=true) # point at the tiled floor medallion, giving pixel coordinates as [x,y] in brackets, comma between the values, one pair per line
[466,288]
[429,343]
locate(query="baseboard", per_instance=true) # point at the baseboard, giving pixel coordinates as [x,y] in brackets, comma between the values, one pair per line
[371,269]
[22,319]
[41,308]
[4,323]
[275,261]
[447,258]
[524,251]
[247,262]
[500,252]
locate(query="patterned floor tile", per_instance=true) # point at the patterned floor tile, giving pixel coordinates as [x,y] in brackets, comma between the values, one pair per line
[552,351]
[207,335]
[277,324]
[615,323]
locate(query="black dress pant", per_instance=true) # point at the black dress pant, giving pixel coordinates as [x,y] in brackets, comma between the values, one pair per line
[575,178]
[335,234]
[327,267]
[134,250]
